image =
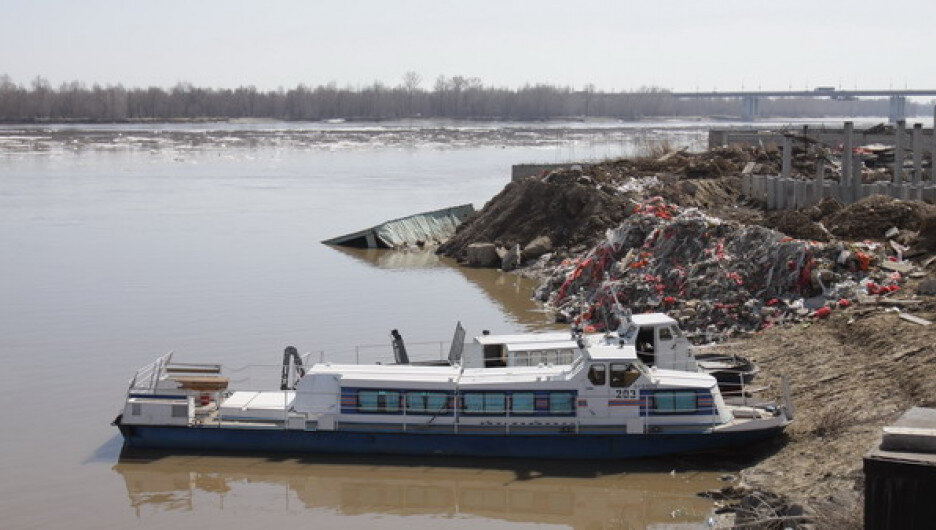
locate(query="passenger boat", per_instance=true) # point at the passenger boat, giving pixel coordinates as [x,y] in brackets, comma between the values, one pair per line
[607,403]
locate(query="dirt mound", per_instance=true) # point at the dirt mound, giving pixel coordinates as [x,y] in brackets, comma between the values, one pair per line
[715,163]
[796,224]
[871,217]
[566,207]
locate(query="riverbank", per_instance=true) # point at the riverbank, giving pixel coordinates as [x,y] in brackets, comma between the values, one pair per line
[815,294]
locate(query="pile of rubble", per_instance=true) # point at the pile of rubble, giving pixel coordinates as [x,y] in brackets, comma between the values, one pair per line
[716,277]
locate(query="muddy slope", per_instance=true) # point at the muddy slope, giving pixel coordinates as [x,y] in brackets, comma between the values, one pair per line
[571,210]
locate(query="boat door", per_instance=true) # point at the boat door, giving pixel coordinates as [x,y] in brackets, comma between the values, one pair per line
[646,345]
[671,349]
[625,404]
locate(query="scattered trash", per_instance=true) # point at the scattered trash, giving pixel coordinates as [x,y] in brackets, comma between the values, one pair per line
[915,319]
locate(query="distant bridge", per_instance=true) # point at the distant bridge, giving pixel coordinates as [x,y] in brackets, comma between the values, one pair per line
[750,99]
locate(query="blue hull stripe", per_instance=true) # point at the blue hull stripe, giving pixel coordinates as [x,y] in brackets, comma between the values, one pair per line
[581,446]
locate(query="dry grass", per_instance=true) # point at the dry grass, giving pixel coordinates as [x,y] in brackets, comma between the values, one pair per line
[654,147]
[834,419]
[839,515]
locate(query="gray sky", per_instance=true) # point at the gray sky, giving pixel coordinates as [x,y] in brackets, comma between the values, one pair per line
[616,45]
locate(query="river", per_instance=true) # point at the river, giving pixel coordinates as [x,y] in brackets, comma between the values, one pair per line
[123,242]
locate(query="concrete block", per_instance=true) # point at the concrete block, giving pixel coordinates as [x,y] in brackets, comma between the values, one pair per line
[928,194]
[483,255]
[537,247]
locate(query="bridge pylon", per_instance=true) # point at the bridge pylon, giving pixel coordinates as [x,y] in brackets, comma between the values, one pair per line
[749,108]
[898,109]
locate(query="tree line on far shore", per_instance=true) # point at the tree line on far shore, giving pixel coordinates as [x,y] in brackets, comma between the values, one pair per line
[456,97]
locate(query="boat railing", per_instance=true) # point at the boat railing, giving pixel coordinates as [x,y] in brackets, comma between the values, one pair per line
[417,352]
[146,378]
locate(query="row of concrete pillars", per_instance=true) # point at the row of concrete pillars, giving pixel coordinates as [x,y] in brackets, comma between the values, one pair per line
[786,192]
[851,163]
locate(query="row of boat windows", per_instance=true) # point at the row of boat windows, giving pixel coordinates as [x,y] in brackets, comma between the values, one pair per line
[675,402]
[535,358]
[481,403]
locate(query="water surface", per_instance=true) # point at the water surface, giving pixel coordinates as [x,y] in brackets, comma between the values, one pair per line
[116,251]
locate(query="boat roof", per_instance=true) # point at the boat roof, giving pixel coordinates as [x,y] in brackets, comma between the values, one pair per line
[513,374]
[402,374]
[526,338]
[652,319]
[391,373]
[610,352]
[681,378]
[538,346]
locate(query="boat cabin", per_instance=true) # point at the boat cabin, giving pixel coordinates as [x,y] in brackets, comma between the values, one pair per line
[658,341]
[527,349]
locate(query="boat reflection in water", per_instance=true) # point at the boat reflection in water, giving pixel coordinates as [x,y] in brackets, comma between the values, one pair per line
[512,292]
[570,494]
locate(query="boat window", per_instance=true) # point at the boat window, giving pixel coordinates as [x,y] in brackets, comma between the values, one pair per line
[623,374]
[565,357]
[597,373]
[426,402]
[493,355]
[180,411]
[561,402]
[474,403]
[495,402]
[485,403]
[665,334]
[676,331]
[671,402]
[522,403]
[378,401]
[135,409]
[522,358]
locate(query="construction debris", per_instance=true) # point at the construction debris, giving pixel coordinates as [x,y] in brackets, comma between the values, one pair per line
[715,277]
[915,319]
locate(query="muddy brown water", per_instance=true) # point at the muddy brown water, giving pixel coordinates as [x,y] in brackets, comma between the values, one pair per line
[114,255]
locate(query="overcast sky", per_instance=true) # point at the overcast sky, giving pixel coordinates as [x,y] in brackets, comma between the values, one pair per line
[617,45]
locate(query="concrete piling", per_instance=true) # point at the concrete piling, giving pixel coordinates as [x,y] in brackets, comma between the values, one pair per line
[917,161]
[933,150]
[899,153]
[787,159]
[819,190]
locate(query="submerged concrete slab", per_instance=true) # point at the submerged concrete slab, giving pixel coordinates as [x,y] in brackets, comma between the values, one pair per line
[434,226]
